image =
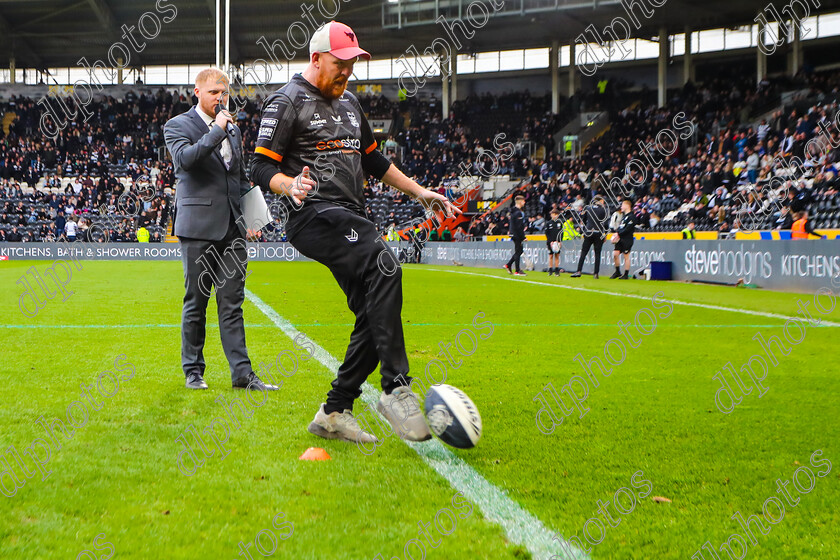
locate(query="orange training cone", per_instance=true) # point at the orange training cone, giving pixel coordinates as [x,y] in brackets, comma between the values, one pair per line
[315,454]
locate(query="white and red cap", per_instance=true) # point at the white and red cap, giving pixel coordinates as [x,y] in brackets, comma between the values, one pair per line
[338,40]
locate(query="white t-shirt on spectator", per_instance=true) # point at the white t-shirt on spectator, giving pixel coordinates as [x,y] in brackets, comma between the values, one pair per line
[70,228]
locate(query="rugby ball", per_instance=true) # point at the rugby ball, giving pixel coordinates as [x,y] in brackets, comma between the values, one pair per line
[452,416]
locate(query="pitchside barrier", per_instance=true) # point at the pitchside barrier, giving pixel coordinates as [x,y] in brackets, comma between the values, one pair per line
[797,265]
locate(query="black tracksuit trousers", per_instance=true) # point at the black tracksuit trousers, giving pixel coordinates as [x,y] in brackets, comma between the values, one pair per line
[596,241]
[517,254]
[371,278]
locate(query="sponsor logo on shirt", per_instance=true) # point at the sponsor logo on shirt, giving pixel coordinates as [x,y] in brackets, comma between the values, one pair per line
[272,107]
[267,127]
[336,120]
[317,120]
[338,144]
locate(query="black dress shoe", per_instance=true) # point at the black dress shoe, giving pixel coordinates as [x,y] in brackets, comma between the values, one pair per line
[196,381]
[576,275]
[255,382]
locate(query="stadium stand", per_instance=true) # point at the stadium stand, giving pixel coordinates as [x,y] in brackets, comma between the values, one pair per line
[718,176]
[721,175]
[82,184]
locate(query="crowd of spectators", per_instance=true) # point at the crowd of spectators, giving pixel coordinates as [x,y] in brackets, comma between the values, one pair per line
[723,174]
[83,211]
[77,185]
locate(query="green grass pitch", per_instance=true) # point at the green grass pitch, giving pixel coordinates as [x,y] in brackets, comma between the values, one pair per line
[117,476]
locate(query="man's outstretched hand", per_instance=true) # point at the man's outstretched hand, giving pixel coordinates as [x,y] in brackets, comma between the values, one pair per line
[438,203]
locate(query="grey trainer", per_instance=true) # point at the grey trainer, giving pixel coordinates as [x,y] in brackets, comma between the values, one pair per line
[339,425]
[402,410]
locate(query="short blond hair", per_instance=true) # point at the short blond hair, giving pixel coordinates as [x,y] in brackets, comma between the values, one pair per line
[211,74]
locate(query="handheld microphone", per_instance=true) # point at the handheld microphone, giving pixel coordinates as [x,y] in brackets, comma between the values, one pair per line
[229,126]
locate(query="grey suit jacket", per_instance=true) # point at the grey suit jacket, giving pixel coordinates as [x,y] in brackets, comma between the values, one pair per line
[206,192]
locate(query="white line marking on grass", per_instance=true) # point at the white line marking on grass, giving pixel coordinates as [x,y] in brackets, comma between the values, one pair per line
[633,296]
[521,527]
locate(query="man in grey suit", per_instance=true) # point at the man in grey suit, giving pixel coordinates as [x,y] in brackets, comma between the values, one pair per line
[207,153]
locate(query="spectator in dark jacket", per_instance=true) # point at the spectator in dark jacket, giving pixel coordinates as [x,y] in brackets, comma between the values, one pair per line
[60,221]
[785,219]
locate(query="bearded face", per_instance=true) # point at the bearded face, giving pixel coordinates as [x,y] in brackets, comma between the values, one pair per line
[333,74]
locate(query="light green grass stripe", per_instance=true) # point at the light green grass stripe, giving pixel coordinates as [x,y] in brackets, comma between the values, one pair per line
[633,296]
[521,527]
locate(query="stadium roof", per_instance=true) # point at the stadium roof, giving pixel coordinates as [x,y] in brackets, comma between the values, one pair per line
[57,33]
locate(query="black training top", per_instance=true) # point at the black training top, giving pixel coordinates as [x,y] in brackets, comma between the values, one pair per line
[552,230]
[517,223]
[627,226]
[596,220]
[300,127]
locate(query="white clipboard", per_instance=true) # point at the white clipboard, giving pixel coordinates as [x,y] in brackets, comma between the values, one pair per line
[255,210]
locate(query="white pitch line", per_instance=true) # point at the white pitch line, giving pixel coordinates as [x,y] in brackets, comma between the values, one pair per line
[521,527]
[633,296]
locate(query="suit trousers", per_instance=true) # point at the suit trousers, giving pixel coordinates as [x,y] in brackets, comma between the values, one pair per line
[369,274]
[221,265]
